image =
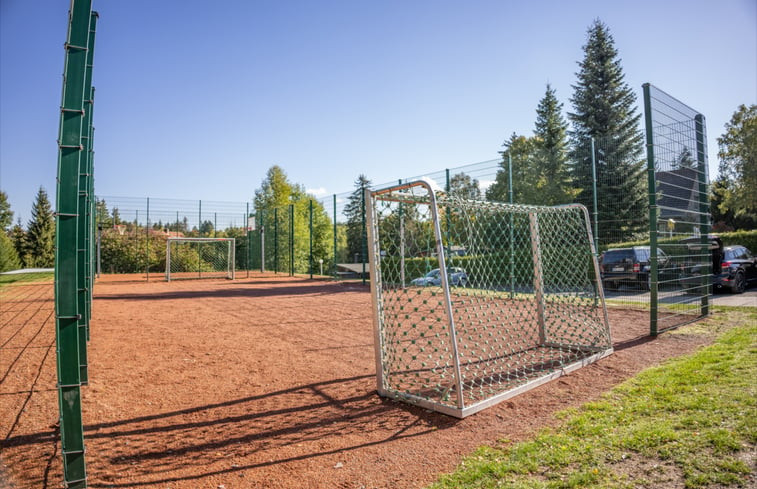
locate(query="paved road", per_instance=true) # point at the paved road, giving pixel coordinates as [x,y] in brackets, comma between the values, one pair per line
[748,298]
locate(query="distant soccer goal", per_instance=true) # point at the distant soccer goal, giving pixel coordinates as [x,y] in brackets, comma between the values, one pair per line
[192,258]
[475,302]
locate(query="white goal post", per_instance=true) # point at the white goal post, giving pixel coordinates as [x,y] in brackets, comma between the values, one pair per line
[188,258]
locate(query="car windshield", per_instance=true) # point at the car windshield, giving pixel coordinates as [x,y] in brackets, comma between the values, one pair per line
[433,273]
[616,256]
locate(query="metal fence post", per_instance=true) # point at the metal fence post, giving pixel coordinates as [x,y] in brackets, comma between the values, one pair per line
[364,247]
[512,224]
[311,238]
[291,240]
[652,211]
[148,239]
[704,213]
[335,240]
[70,153]
[275,240]
[249,240]
[594,195]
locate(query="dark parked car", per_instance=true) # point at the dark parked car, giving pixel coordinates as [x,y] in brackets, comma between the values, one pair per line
[738,269]
[456,276]
[630,266]
[734,269]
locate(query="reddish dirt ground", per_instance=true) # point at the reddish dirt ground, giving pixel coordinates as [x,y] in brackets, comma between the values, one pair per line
[266,382]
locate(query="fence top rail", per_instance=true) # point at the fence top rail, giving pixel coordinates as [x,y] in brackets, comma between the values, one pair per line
[204,240]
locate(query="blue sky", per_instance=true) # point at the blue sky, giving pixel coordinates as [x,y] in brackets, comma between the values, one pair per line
[196,100]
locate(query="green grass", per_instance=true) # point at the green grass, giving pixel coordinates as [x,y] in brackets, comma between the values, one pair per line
[19,278]
[691,421]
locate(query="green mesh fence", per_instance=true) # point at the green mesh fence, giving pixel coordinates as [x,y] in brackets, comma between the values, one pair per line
[477,301]
[682,252]
[188,258]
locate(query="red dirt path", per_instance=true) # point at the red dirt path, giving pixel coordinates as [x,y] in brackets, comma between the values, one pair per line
[265,382]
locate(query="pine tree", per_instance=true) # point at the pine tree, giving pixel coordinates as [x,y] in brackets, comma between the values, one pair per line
[40,235]
[604,109]
[18,238]
[354,212]
[522,151]
[8,257]
[551,158]
[6,214]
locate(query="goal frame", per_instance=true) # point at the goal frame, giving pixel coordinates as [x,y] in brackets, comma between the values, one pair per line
[461,407]
[230,254]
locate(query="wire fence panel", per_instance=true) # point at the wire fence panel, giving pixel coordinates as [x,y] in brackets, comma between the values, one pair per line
[681,282]
[476,301]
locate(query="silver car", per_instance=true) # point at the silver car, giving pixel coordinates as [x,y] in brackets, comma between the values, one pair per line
[457,277]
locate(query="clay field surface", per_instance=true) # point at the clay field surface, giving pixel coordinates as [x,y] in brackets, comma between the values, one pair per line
[261,382]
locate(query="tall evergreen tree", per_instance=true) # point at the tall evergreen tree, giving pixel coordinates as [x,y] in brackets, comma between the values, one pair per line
[604,109]
[551,155]
[738,162]
[522,150]
[40,234]
[354,212]
[18,238]
[6,214]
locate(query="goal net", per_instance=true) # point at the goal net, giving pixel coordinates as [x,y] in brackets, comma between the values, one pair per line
[475,302]
[188,258]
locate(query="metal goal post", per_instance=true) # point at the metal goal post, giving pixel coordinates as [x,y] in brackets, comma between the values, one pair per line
[191,258]
[475,302]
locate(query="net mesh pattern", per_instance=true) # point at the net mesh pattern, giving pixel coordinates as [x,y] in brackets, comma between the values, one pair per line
[191,259]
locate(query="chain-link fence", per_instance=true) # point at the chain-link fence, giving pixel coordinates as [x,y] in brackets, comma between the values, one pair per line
[132,232]
[476,301]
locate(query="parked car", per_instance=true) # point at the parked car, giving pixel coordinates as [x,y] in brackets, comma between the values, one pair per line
[733,268]
[456,276]
[630,266]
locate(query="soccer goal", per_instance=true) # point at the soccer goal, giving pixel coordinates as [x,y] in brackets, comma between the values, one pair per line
[188,258]
[475,302]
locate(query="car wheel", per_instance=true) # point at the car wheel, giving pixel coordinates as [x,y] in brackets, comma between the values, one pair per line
[739,284]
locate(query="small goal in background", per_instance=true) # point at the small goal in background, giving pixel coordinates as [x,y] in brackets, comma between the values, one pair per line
[475,302]
[192,258]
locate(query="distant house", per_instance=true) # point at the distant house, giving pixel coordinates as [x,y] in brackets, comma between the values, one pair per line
[678,195]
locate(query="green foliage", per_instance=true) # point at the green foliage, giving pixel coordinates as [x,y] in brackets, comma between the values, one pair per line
[522,151]
[40,234]
[17,236]
[694,413]
[463,186]
[6,214]
[744,238]
[277,202]
[604,109]
[738,163]
[8,257]
[551,155]
[354,211]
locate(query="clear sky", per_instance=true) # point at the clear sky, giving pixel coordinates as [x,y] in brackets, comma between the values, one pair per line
[197,99]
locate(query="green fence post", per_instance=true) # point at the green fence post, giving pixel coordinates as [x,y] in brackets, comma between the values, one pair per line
[311,239]
[336,276]
[83,225]
[291,240]
[364,247]
[595,210]
[275,240]
[652,210]
[512,223]
[147,244]
[67,313]
[249,240]
[704,214]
